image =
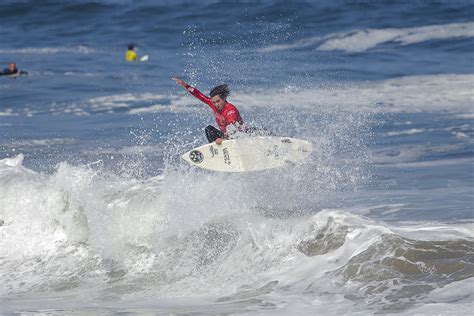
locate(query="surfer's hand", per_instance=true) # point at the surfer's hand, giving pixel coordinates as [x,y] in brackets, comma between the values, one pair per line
[179,81]
[219,141]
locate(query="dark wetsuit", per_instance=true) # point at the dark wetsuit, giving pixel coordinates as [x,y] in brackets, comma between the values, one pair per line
[15,72]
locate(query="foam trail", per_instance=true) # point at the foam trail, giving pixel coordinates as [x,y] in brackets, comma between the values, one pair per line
[363,40]
[50,50]
[358,41]
[411,94]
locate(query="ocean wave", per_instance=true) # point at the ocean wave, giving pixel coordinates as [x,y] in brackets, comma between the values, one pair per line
[412,94]
[460,132]
[8,112]
[461,135]
[51,50]
[305,42]
[89,230]
[358,41]
[130,150]
[38,142]
[436,163]
[467,116]
[407,132]
[133,103]
[451,93]
[415,154]
[363,40]
[111,102]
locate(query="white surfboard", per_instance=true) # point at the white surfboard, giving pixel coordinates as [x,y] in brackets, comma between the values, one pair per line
[249,154]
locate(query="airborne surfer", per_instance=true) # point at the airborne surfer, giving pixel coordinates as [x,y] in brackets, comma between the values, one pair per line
[226,114]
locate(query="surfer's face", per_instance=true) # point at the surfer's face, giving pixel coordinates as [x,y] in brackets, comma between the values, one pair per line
[218,102]
[12,66]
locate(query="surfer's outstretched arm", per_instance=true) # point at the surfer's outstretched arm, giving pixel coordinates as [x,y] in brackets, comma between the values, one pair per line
[195,92]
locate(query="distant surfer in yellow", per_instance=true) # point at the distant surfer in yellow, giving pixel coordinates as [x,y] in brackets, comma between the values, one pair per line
[131,55]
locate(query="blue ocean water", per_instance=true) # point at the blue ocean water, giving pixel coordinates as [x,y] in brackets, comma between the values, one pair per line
[99,214]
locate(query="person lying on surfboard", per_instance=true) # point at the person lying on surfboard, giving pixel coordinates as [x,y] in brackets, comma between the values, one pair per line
[12,71]
[131,54]
[225,113]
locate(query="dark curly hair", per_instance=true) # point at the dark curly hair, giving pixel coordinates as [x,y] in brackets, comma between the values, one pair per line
[221,90]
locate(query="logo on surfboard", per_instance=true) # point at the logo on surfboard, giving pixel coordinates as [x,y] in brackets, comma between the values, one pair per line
[213,151]
[226,156]
[196,156]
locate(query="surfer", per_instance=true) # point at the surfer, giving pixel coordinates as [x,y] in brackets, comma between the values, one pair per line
[131,54]
[226,114]
[12,71]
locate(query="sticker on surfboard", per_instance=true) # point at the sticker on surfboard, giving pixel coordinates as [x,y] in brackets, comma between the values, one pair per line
[196,156]
[250,154]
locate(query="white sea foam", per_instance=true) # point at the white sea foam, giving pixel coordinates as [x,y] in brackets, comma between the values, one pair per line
[130,150]
[407,132]
[451,93]
[467,116]
[112,102]
[15,162]
[8,112]
[305,42]
[79,74]
[111,215]
[357,41]
[50,50]
[133,103]
[412,94]
[403,123]
[436,231]
[95,233]
[461,135]
[453,299]
[40,142]
[156,108]
[410,155]
[363,40]
[436,163]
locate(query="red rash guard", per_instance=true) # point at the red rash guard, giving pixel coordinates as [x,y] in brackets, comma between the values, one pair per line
[228,115]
